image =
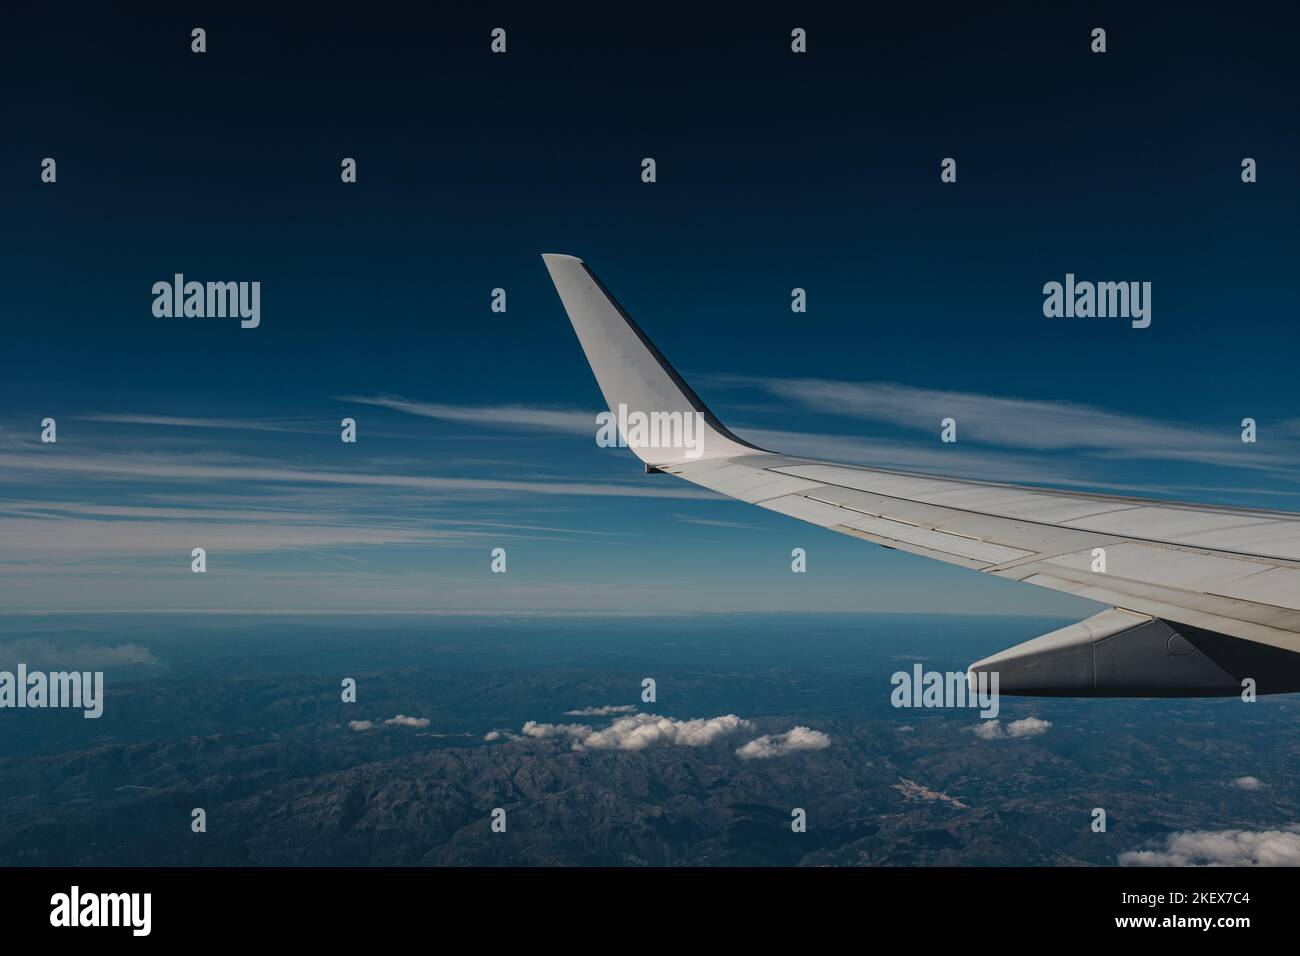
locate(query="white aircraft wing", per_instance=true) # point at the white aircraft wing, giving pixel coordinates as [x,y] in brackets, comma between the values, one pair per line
[1202,598]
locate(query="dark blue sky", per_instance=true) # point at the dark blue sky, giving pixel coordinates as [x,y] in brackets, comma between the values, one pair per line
[774,171]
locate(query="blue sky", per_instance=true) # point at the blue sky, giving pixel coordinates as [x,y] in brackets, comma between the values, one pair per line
[477,429]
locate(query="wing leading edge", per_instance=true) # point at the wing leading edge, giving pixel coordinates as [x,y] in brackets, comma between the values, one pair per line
[1202,597]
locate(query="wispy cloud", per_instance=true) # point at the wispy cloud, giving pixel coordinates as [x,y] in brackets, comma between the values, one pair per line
[235,424]
[32,651]
[1002,438]
[1028,424]
[36,539]
[182,468]
[526,417]
[606,711]
[713,522]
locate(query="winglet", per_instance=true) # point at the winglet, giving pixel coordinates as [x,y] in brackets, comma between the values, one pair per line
[659,416]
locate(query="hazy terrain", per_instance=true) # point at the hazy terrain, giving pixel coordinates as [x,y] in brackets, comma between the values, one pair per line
[243,718]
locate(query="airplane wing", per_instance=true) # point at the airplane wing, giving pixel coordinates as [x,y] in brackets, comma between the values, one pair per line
[1202,599]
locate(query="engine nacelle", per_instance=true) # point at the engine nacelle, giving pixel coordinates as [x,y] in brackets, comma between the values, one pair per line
[1120,653]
